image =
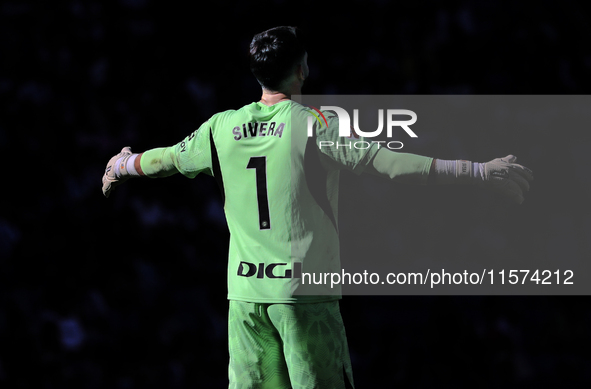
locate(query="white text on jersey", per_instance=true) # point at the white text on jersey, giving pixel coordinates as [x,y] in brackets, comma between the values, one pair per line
[250,130]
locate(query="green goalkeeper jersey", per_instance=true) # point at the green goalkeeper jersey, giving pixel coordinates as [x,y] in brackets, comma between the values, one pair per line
[280,195]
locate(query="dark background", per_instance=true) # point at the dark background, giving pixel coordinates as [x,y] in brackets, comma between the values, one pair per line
[129,292]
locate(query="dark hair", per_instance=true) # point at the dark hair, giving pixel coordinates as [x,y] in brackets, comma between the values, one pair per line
[274,54]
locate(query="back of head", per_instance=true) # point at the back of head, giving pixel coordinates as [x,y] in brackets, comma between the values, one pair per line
[274,55]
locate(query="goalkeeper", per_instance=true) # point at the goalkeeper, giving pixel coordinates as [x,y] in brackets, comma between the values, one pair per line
[280,199]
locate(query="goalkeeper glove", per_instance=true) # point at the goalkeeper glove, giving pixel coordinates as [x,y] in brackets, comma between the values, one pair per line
[119,169]
[502,175]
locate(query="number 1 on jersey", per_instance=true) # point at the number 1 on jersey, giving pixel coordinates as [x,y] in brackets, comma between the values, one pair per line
[260,166]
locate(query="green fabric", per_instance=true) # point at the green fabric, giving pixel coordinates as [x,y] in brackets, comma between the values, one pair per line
[288,346]
[401,167]
[260,150]
[158,162]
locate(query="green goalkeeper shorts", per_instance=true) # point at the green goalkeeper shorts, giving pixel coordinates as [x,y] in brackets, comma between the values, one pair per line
[288,346]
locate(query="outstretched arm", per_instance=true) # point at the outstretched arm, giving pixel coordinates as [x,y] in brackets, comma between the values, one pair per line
[501,175]
[125,165]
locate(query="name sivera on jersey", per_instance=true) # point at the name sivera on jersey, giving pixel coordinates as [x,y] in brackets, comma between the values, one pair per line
[250,130]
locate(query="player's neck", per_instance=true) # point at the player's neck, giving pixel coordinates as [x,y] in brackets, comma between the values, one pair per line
[273,97]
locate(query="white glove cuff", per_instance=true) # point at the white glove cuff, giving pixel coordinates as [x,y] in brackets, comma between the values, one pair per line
[460,171]
[125,166]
